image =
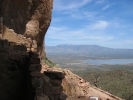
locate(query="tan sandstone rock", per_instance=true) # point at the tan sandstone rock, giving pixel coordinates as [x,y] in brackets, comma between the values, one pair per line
[18,39]
[28,17]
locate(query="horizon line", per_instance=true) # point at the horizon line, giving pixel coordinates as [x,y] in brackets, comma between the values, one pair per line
[85,45]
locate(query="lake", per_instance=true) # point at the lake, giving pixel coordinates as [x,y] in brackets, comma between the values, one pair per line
[109,61]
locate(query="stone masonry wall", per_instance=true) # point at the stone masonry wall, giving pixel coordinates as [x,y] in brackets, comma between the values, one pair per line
[21,77]
[14,72]
[47,85]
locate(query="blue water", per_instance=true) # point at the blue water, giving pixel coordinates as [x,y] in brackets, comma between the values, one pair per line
[109,61]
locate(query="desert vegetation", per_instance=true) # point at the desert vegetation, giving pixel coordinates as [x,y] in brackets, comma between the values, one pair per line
[117,82]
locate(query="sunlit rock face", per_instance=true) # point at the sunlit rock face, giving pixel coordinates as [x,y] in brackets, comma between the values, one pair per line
[28,17]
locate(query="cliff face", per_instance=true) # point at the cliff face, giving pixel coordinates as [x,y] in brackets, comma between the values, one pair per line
[30,18]
[23,25]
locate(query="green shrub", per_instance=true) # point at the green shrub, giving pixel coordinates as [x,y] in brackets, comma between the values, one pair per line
[49,62]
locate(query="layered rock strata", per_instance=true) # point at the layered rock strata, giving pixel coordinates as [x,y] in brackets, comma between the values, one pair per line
[18,39]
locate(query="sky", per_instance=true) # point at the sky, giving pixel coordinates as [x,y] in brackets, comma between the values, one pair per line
[107,23]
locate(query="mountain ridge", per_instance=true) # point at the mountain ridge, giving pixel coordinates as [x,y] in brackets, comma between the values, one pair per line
[90,51]
[71,45]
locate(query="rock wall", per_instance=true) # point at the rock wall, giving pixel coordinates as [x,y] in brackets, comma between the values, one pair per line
[21,53]
[21,77]
[13,72]
[11,36]
[28,17]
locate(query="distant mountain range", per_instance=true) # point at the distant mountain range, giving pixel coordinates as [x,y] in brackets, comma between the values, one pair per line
[90,51]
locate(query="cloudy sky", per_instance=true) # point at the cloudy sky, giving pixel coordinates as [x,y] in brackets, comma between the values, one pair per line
[107,23]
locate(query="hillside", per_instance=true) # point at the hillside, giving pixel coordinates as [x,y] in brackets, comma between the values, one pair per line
[76,88]
[117,82]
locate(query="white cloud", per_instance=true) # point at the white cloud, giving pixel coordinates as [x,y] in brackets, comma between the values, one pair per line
[108,6]
[69,36]
[96,37]
[69,4]
[118,23]
[105,7]
[99,25]
[56,20]
[100,1]
[56,29]
[86,14]
[128,41]
[56,33]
